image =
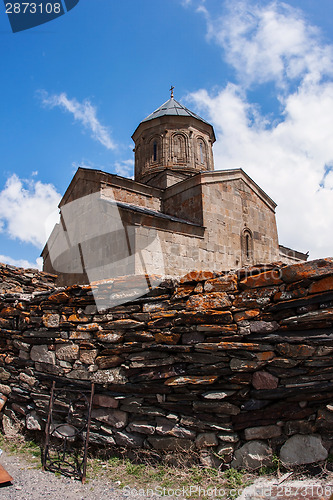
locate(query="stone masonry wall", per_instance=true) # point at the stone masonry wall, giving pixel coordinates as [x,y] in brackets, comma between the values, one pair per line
[236,366]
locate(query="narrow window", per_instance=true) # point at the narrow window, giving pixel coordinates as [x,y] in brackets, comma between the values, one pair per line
[201,153]
[247,245]
[155,151]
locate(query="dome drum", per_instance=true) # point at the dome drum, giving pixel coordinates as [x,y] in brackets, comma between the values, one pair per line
[178,142]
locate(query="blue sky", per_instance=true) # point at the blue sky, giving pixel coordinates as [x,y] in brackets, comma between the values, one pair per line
[74,90]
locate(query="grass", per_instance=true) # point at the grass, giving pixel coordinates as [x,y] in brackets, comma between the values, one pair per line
[28,449]
[140,474]
[273,469]
[143,477]
[123,472]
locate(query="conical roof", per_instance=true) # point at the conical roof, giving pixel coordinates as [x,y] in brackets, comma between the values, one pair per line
[173,108]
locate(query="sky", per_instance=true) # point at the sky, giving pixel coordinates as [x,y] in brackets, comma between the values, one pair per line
[74,90]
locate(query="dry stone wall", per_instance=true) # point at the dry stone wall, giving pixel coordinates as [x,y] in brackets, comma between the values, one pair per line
[237,366]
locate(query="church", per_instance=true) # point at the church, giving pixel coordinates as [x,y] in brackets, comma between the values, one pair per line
[179,214]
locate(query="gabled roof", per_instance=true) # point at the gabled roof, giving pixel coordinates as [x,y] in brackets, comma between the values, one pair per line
[173,108]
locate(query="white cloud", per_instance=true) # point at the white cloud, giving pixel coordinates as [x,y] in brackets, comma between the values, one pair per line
[269,43]
[83,112]
[124,168]
[288,158]
[328,178]
[4,259]
[25,206]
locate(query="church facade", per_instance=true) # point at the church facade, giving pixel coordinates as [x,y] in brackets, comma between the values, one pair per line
[176,216]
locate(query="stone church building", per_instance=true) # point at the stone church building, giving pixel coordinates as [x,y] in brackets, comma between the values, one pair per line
[177,215]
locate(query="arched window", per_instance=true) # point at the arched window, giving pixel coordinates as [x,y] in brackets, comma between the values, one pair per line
[247,247]
[179,148]
[201,153]
[154,150]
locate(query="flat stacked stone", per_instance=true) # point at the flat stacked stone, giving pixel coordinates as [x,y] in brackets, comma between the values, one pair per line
[234,365]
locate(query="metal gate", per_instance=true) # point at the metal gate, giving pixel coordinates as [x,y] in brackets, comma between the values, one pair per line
[67,431]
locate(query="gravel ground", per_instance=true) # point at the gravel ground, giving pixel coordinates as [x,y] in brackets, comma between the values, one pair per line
[34,484]
[30,483]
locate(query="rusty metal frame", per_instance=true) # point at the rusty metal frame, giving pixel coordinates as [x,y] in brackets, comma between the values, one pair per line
[63,439]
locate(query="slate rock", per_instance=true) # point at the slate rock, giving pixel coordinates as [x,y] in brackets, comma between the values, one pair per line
[301,449]
[225,450]
[226,283]
[228,437]
[264,380]
[3,401]
[41,354]
[141,428]
[267,278]
[4,375]
[314,268]
[128,440]
[217,394]
[79,374]
[216,407]
[191,379]
[33,422]
[192,338]
[253,455]
[206,439]
[322,285]
[101,439]
[67,352]
[88,356]
[209,459]
[210,301]
[27,379]
[295,351]
[115,418]
[105,401]
[171,443]
[5,389]
[105,362]
[244,365]
[262,432]
[263,326]
[51,320]
[113,375]
[298,427]
[166,428]
[11,427]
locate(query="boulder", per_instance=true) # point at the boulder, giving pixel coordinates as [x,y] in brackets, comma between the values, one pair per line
[301,449]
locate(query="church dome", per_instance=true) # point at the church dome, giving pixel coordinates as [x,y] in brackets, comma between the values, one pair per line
[172,108]
[173,138]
